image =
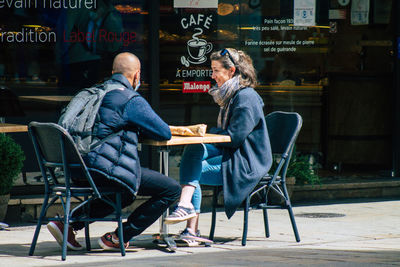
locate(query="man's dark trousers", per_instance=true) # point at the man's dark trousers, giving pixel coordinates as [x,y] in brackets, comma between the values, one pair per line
[163,191]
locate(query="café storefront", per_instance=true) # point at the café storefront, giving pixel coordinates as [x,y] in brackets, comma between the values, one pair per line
[339,71]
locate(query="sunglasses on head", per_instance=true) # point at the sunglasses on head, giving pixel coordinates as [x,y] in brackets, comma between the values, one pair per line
[226,51]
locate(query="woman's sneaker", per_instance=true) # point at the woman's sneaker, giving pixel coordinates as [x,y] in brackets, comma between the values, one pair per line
[186,233]
[56,228]
[187,239]
[180,214]
[108,242]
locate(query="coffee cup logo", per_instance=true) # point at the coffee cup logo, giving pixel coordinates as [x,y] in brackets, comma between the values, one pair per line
[197,49]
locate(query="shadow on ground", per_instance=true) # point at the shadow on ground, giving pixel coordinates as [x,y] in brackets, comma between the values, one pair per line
[269,257]
[51,248]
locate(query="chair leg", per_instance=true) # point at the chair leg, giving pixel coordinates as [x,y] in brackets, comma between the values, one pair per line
[265,211]
[39,225]
[266,226]
[87,233]
[245,221]
[66,226]
[120,230]
[87,237]
[294,226]
[291,215]
[214,213]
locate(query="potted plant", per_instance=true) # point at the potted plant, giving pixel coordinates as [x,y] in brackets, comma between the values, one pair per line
[302,169]
[11,162]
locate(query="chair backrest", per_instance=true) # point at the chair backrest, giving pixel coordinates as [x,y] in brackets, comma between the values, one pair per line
[283,129]
[54,147]
[48,137]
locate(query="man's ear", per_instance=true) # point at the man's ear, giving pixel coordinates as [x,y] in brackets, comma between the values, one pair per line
[137,75]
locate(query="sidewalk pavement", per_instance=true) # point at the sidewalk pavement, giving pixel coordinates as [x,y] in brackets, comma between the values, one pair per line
[363,233]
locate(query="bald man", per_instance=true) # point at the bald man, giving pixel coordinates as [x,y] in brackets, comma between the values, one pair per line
[128,65]
[123,115]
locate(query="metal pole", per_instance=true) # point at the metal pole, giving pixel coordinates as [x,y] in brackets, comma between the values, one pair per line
[154,53]
[154,66]
[396,91]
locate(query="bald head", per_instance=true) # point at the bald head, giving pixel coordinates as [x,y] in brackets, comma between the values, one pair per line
[128,65]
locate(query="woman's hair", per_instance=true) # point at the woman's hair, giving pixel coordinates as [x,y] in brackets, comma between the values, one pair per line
[241,61]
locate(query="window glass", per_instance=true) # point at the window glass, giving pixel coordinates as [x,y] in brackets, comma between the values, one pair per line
[67,45]
[51,49]
[329,72]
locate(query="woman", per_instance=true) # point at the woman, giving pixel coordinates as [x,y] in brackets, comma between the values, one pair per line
[239,165]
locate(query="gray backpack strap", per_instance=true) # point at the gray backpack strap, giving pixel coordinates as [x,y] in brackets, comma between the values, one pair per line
[95,106]
[79,117]
[95,142]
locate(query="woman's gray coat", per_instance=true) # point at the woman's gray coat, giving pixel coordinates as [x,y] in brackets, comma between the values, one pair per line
[248,157]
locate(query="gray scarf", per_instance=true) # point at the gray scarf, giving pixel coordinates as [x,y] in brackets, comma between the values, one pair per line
[223,97]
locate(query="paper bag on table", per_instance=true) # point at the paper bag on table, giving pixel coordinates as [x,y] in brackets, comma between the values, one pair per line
[191,130]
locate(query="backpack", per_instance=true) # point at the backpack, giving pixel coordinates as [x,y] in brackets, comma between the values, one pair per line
[79,117]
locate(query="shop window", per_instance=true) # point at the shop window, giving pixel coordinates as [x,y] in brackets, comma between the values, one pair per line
[306,69]
[68,45]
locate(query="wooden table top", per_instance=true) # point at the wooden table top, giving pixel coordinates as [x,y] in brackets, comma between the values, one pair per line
[12,128]
[186,140]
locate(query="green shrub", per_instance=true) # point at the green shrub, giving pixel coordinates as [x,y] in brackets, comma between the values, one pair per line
[300,168]
[11,162]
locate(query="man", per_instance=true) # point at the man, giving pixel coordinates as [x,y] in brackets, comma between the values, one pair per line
[123,115]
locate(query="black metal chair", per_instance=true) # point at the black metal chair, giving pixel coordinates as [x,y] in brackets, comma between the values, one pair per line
[55,148]
[283,129]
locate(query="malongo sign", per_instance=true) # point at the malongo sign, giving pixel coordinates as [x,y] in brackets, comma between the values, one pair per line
[196,87]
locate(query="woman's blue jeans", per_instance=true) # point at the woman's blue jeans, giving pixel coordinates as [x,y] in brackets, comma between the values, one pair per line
[200,164]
